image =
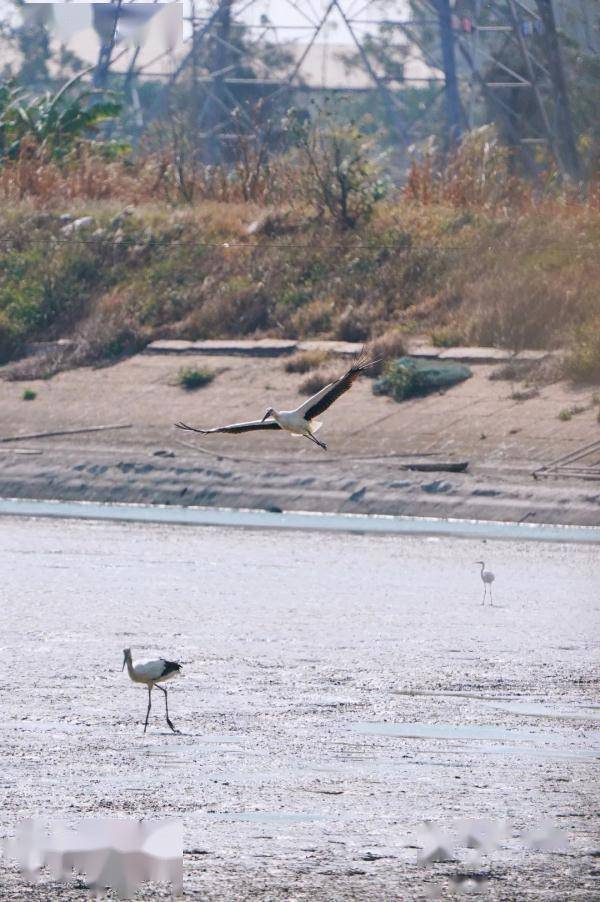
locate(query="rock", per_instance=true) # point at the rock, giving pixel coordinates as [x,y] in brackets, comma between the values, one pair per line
[267,224]
[437,487]
[358,495]
[77,225]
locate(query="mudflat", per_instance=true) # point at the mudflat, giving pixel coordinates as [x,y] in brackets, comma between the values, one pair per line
[338,692]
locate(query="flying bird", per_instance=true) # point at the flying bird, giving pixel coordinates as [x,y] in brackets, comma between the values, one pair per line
[487,577]
[302,420]
[151,673]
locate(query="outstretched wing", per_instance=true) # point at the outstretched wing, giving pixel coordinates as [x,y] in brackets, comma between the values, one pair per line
[234,427]
[325,398]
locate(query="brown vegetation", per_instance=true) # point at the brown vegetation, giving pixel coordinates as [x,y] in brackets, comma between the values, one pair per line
[467,254]
[317,380]
[304,361]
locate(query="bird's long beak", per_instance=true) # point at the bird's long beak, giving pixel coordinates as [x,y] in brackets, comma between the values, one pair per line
[265,416]
[124,663]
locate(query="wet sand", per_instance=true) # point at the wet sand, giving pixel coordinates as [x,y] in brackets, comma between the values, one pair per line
[338,690]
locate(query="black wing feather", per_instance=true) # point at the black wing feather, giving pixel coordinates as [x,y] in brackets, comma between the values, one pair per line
[234,428]
[338,388]
[171,667]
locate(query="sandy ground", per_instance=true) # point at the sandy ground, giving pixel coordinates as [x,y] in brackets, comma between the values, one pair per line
[479,421]
[338,691]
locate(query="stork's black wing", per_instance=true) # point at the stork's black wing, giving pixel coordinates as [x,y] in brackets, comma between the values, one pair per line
[234,427]
[170,667]
[325,398]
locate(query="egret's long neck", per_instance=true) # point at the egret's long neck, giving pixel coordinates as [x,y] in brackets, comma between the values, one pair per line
[482,567]
[130,667]
[275,415]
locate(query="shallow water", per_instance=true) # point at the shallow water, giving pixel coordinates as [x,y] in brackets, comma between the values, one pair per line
[289,640]
[354,523]
[543,744]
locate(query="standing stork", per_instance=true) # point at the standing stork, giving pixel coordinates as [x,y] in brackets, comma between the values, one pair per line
[487,578]
[300,421]
[151,673]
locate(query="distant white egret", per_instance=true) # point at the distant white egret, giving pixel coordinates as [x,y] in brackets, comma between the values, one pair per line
[487,577]
[151,673]
[301,420]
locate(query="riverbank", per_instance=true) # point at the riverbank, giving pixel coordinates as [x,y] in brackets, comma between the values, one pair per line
[372,443]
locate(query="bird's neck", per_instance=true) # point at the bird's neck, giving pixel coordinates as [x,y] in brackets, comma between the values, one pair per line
[482,567]
[275,415]
[130,670]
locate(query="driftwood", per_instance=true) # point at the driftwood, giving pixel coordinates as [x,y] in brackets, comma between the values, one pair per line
[450,467]
[20,451]
[21,438]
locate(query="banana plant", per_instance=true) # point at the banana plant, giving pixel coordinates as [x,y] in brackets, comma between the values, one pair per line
[51,124]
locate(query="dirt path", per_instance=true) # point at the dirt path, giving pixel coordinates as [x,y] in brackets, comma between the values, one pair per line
[338,691]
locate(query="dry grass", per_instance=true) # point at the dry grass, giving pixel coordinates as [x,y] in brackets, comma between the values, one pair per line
[317,380]
[385,348]
[304,361]
[458,257]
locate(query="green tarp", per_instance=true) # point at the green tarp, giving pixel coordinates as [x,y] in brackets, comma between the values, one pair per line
[408,377]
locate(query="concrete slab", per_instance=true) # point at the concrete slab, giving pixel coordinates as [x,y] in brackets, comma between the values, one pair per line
[423,350]
[168,347]
[341,348]
[476,355]
[264,347]
[533,356]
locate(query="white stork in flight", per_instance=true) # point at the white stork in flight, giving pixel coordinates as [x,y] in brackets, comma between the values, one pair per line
[300,421]
[151,673]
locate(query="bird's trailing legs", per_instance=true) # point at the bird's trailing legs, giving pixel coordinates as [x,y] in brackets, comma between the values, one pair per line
[314,439]
[162,689]
[149,706]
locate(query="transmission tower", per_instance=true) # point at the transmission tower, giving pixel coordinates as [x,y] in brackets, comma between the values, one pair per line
[510,55]
[489,58]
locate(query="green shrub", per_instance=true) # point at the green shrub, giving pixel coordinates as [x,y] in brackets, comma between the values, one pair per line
[191,379]
[567,413]
[29,395]
[582,363]
[446,337]
[338,172]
